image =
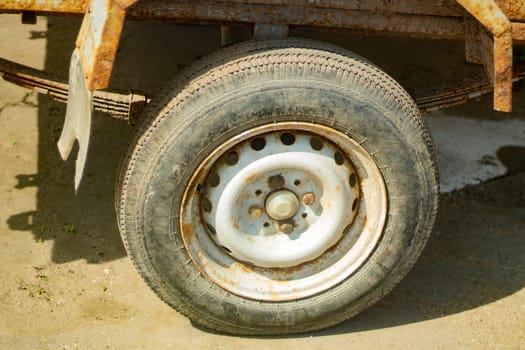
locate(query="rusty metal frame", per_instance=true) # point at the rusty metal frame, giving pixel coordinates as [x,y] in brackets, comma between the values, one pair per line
[90,69]
[513,9]
[219,8]
[518,31]
[414,18]
[59,6]
[98,39]
[417,18]
[498,62]
[489,38]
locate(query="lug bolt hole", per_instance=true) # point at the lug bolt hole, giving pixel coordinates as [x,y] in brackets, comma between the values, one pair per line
[287,139]
[258,143]
[258,192]
[232,158]
[316,144]
[214,180]
[339,158]
[201,189]
[266,224]
[297,182]
[211,228]
[206,204]
[304,215]
[352,180]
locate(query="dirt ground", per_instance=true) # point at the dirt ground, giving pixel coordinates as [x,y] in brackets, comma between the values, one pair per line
[65,280]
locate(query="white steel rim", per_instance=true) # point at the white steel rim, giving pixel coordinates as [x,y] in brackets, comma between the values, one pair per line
[283,211]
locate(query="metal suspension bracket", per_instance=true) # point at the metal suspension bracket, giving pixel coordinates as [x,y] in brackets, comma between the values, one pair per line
[90,69]
[124,105]
[495,53]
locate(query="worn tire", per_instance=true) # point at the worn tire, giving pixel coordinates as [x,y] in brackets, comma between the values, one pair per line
[256,84]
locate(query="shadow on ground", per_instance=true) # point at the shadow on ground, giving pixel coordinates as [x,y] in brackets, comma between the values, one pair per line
[83,226]
[474,257]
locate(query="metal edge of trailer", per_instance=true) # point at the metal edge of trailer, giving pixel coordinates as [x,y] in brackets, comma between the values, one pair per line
[99,36]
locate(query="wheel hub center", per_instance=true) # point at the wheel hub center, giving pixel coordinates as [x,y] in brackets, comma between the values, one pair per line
[281,205]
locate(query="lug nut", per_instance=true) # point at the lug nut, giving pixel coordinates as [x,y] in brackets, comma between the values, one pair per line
[286,228]
[308,198]
[255,212]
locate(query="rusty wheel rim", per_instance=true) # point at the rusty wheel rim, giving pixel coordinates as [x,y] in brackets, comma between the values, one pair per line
[283,211]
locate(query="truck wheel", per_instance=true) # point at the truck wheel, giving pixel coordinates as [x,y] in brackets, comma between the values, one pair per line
[278,187]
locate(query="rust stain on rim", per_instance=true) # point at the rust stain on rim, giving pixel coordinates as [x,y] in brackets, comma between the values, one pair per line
[224,270]
[250,178]
[187,231]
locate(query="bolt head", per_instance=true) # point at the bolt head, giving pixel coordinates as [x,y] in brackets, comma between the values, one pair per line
[286,228]
[308,198]
[255,212]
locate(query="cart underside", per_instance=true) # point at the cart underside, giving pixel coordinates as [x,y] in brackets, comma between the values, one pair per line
[489,28]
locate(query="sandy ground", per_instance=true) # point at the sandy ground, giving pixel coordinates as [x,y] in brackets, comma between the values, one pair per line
[65,280]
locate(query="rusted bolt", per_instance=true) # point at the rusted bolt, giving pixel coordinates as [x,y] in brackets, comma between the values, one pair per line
[308,198]
[255,212]
[286,228]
